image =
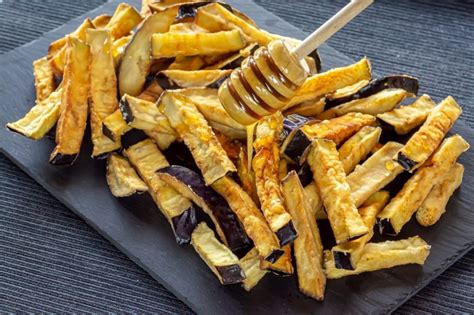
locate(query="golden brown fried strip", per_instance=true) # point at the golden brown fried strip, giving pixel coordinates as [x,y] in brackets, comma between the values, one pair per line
[41,118]
[375,173]
[74,103]
[332,80]
[408,117]
[103,90]
[348,254]
[198,136]
[45,83]
[215,18]
[218,257]
[401,208]
[265,165]
[282,266]
[122,178]
[339,129]
[123,21]
[251,218]
[250,264]
[57,50]
[330,178]
[377,256]
[308,249]
[425,141]
[435,203]
[147,159]
[167,45]
[358,147]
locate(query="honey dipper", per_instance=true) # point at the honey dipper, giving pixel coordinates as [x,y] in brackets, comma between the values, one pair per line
[266,81]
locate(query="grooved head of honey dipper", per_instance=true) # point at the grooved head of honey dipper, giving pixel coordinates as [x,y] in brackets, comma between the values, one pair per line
[294,69]
[234,105]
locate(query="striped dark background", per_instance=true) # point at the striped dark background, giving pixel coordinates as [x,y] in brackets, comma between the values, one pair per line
[51,261]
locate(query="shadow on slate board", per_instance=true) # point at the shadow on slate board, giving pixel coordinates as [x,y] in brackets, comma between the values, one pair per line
[144,235]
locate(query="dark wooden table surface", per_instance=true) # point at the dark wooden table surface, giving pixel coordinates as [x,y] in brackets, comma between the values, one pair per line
[51,261]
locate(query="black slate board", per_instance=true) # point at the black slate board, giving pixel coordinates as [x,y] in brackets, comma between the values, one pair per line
[142,233]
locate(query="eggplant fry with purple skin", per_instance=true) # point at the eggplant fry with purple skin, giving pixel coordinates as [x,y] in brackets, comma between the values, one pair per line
[250,265]
[136,62]
[296,145]
[144,115]
[178,210]
[364,89]
[425,141]
[222,262]
[103,90]
[251,218]
[401,208]
[283,266]
[348,254]
[192,186]
[265,165]
[198,136]
[377,256]
[378,103]
[408,117]
[74,103]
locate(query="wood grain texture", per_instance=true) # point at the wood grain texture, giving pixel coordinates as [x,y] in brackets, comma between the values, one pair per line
[37,150]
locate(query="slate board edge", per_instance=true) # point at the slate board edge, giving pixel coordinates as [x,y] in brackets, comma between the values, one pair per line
[389,309]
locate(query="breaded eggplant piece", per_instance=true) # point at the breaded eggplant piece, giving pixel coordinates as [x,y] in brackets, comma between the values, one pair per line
[308,248]
[265,165]
[147,159]
[401,208]
[348,254]
[250,265]
[198,136]
[74,103]
[425,141]
[220,259]
[122,178]
[251,218]
[435,203]
[357,147]
[375,173]
[406,118]
[330,178]
[377,256]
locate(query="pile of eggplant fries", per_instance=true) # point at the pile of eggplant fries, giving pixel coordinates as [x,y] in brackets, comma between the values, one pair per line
[250,200]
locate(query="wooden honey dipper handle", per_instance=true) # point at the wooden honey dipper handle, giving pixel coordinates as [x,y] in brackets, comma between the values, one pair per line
[330,27]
